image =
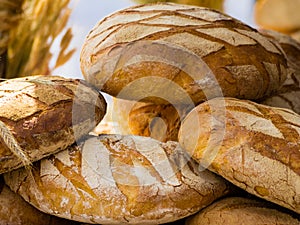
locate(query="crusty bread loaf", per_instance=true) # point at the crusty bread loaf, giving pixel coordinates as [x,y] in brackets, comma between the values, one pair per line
[15,211]
[114,179]
[180,53]
[238,210]
[288,96]
[40,115]
[254,146]
[159,121]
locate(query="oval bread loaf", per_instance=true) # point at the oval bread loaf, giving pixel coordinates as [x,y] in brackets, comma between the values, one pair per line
[114,179]
[238,210]
[288,96]
[15,211]
[254,146]
[184,54]
[40,115]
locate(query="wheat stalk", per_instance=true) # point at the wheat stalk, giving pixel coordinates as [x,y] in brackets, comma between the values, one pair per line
[9,16]
[30,41]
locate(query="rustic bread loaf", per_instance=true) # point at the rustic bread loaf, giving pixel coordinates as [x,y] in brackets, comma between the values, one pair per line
[159,121]
[254,146]
[238,210]
[288,96]
[40,115]
[15,211]
[114,179]
[180,53]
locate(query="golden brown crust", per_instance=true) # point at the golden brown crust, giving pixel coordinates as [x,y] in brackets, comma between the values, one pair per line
[115,179]
[254,146]
[15,211]
[159,121]
[45,114]
[238,210]
[138,52]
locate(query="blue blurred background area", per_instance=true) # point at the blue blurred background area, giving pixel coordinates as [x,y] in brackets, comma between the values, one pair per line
[87,13]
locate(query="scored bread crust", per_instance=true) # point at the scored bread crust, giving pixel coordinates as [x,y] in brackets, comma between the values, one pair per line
[254,146]
[15,211]
[180,53]
[114,179]
[44,114]
[239,210]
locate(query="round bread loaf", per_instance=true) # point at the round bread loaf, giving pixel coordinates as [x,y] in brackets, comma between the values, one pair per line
[159,121]
[15,211]
[114,179]
[182,54]
[238,210]
[288,96]
[254,146]
[41,115]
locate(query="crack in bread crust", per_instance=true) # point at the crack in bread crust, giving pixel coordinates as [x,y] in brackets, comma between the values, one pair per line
[259,151]
[223,45]
[119,179]
[39,116]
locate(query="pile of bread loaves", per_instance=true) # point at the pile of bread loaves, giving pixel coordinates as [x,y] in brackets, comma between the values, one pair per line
[205,88]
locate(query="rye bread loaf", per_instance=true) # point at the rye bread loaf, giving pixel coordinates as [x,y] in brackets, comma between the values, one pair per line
[180,53]
[15,211]
[114,179]
[238,210]
[288,96]
[254,146]
[40,115]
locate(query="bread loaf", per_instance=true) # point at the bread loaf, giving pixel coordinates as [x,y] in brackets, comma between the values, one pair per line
[182,54]
[15,211]
[159,121]
[114,179]
[288,96]
[237,211]
[254,146]
[41,115]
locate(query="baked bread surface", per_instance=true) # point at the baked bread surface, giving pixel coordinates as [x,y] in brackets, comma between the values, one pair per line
[41,115]
[254,146]
[180,53]
[239,210]
[114,179]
